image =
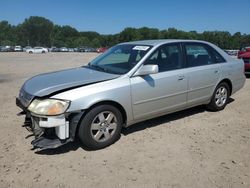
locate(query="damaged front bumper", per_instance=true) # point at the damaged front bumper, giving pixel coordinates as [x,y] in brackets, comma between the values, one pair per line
[50,131]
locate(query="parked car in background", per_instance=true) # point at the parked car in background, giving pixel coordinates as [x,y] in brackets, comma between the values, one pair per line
[18,49]
[55,49]
[129,83]
[64,49]
[71,49]
[244,54]
[37,50]
[232,52]
[7,49]
[87,49]
[102,49]
[26,48]
[93,50]
[81,49]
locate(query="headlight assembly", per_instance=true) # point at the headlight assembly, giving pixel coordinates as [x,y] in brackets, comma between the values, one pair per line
[48,107]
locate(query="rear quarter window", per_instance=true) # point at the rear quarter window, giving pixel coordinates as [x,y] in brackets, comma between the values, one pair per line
[218,58]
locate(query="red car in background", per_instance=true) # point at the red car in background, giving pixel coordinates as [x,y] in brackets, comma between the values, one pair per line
[101,50]
[244,54]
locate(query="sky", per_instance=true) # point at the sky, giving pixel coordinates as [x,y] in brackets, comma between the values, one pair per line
[112,16]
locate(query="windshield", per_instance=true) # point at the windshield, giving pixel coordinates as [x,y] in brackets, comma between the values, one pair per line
[120,59]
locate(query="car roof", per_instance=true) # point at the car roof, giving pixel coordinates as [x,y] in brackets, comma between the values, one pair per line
[156,43]
[161,41]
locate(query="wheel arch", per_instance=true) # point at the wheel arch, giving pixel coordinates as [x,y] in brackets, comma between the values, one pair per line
[229,83]
[76,124]
[105,102]
[113,103]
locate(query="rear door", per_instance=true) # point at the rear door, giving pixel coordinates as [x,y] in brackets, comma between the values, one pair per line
[165,91]
[204,72]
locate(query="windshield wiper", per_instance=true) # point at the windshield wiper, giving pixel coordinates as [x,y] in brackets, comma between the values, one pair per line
[102,69]
[96,67]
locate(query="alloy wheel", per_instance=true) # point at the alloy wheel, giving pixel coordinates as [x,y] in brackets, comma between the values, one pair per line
[221,96]
[103,126]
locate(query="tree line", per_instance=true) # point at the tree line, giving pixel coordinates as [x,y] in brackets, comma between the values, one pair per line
[39,31]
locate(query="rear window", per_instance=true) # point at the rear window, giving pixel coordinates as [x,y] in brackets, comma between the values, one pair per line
[202,54]
[198,55]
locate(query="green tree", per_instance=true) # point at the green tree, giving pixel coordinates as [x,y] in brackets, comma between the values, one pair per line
[41,31]
[36,31]
[7,33]
[129,34]
[56,37]
[63,36]
[148,33]
[236,41]
[82,41]
[95,43]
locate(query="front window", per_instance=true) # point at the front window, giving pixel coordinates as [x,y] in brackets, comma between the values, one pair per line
[120,59]
[167,57]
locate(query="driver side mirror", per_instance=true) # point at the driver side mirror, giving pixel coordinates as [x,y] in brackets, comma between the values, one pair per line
[146,70]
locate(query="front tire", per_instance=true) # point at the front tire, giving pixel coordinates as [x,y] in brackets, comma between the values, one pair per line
[220,97]
[100,127]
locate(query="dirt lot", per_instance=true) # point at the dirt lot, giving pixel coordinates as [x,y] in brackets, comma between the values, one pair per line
[192,148]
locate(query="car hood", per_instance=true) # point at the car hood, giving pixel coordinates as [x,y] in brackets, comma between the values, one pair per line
[46,84]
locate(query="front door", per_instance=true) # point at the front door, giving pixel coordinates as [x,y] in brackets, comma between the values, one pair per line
[163,92]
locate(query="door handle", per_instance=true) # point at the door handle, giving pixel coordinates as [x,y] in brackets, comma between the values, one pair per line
[216,71]
[181,78]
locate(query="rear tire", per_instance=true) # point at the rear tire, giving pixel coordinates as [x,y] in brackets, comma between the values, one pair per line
[100,127]
[30,52]
[220,97]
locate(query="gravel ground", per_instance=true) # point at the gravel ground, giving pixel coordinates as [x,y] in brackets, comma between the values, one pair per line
[192,148]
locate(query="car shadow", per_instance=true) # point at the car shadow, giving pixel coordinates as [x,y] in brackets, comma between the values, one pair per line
[162,119]
[166,118]
[73,146]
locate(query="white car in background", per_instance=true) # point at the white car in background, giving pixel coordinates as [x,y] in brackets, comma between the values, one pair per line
[37,50]
[18,49]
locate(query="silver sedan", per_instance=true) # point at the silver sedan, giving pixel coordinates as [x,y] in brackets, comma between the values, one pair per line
[129,83]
